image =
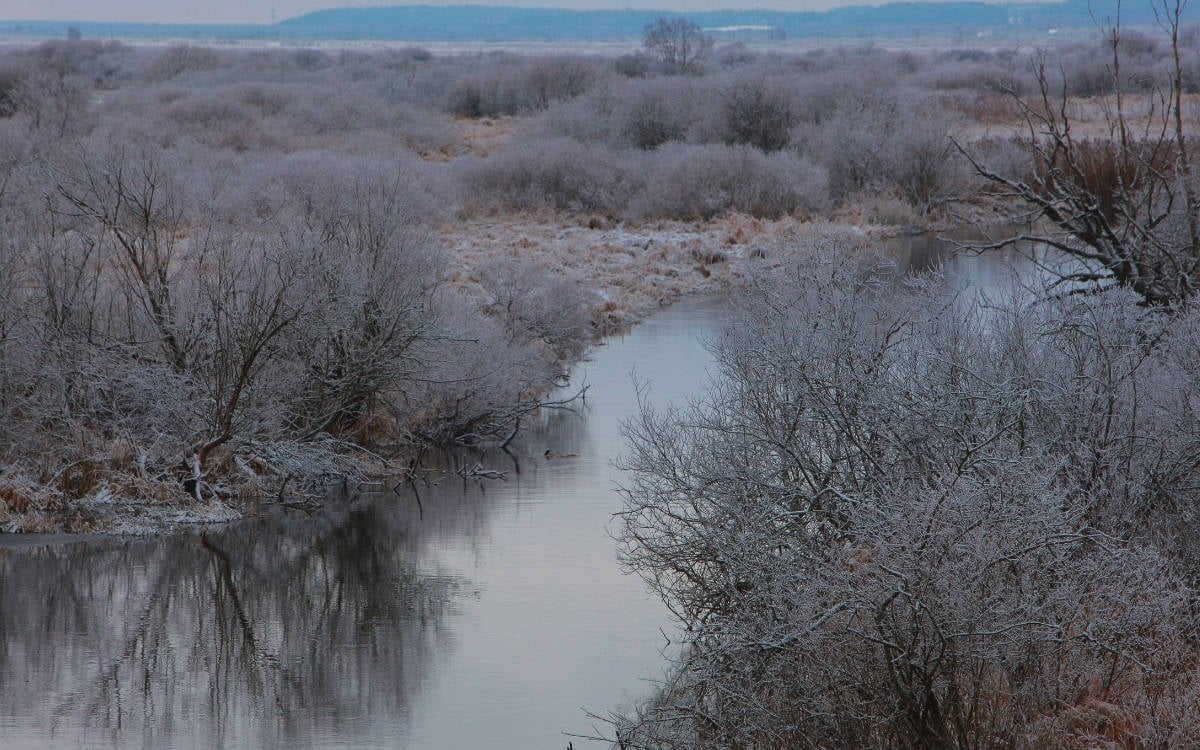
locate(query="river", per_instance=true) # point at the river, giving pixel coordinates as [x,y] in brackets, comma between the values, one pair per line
[465,615]
[488,614]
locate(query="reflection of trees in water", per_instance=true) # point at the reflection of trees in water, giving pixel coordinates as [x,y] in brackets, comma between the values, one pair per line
[450,506]
[271,632]
[281,631]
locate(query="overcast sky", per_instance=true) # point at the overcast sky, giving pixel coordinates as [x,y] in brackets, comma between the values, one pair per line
[260,11]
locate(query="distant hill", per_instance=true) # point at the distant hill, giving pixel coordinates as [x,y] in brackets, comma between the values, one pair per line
[461,23]
[104,29]
[489,23]
[906,19]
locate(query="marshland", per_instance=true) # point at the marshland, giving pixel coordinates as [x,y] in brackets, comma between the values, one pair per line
[355,337]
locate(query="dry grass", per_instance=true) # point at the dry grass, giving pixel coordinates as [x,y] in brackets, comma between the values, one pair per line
[1099,168]
[635,267]
[486,135]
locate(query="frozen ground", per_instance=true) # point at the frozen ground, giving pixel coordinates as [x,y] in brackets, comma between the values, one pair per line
[636,267]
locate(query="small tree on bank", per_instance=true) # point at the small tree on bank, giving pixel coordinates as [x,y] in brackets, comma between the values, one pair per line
[681,44]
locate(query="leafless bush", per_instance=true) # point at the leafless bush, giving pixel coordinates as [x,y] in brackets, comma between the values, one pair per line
[758,114]
[485,95]
[656,114]
[679,181]
[495,362]
[180,60]
[100,64]
[703,181]
[371,273]
[591,118]
[558,174]
[538,306]
[16,324]
[635,65]
[559,77]
[894,523]
[877,142]
[54,106]
[735,55]
[513,86]
[977,75]
[472,389]
[10,83]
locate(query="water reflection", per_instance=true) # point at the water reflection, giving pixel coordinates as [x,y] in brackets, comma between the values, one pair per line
[1026,271]
[983,274]
[274,632]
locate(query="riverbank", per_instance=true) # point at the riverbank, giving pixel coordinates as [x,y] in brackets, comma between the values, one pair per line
[626,270]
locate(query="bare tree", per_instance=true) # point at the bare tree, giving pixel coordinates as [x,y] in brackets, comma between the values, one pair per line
[248,300]
[681,44]
[1124,203]
[126,194]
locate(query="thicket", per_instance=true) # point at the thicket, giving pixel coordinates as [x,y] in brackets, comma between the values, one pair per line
[218,277]
[863,122]
[1122,202]
[871,120]
[905,519]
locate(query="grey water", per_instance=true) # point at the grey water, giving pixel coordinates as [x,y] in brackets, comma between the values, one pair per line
[463,615]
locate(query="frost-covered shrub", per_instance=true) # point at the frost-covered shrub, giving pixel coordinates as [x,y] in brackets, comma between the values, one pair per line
[538,305]
[655,112]
[676,180]
[881,142]
[734,55]
[469,392]
[181,60]
[486,95]
[689,181]
[54,106]
[370,273]
[904,520]
[587,119]
[759,114]
[559,77]
[513,86]
[559,174]
[10,89]
[634,65]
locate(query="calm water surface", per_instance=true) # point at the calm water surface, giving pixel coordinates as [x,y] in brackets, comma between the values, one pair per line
[484,616]
[481,616]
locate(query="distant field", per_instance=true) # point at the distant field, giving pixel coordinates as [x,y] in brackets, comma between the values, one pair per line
[612,48]
[912,25]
